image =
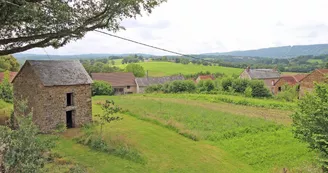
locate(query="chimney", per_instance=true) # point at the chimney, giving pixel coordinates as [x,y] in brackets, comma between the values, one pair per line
[248,68]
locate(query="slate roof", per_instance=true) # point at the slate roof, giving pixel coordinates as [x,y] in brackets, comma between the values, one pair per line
[263,73]
[11,76]
[117,79]
[59,73]
[147,81]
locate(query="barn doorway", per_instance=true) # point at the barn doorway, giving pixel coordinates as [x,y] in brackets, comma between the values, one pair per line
[69,119]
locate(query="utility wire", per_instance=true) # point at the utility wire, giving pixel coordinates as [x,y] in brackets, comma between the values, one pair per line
[147,45]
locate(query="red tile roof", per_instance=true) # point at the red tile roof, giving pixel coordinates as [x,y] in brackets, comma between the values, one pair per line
[205,77]
[324,71]
[11,75]
[299,77]
[292,80]
[117,79]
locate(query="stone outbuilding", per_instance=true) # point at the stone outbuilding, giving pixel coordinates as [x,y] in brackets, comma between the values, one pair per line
[290,80]
[308,82]
[268,76]
[122,83]
[56,91]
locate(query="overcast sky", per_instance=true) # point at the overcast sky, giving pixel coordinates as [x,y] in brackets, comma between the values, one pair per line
[199,26]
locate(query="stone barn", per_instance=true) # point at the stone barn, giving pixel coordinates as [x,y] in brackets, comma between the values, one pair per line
[56,92]
[308,82]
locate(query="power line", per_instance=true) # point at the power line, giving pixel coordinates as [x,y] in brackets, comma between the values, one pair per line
[147,45]
[46,53]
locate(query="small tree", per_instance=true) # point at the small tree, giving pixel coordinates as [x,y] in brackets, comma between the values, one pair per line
[136,69]
[6,88]
[310,121]
[109,109]
[101,88]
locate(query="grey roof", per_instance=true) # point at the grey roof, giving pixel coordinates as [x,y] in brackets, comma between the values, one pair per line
[147,81]
[60,73]
[263,73]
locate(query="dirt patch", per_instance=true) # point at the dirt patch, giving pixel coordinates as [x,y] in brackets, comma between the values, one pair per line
[71,133]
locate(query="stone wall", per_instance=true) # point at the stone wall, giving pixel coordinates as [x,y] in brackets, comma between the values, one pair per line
[133,89]
[49,103]
[307,84]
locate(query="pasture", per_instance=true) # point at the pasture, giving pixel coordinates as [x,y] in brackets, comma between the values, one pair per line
[177,134]
[168,68]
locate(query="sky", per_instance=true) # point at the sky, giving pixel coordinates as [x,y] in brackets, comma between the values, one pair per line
[205,26]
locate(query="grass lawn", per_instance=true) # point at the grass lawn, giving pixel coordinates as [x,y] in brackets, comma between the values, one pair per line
[169,68]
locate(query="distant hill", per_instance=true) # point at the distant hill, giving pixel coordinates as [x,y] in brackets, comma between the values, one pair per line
[280,52]
[273,52]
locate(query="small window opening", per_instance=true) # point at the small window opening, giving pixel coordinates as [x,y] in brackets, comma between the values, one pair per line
[279,88]
[128,87]
[69,99]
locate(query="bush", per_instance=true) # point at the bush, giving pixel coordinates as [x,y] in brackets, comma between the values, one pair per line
[226,83]
[22,149]
[154,88]
[239,85]
[310,121]
[287,94]
[6,88]
[180,86]
[206,86]
[258,89]
[248,92]
[101,88]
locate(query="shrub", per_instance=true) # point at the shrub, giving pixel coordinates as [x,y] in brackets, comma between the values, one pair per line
[239,85]
[154,88]
[101,88]
[6,88]
[248,92]
[287,94]
[206,86]
[23,150]
[258,89]
[181,86]
[226,83]
[310,121]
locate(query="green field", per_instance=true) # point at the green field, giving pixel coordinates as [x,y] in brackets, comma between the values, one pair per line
[188,134]
[169,68]
[319,61]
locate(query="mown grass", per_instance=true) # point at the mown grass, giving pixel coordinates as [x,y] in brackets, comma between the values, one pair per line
[262,144]
[169,68]
[239,100]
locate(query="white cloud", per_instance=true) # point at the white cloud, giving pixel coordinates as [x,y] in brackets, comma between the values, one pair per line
[197,26]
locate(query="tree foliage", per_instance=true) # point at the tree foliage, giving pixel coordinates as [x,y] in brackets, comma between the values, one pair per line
[26,24]
[22,149]
[310,121]
[136,69]
[101,88]
[9,63]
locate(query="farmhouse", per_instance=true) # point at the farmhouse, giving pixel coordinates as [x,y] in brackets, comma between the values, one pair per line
[122,83]
[204,77]
[269,76]
[143,83]
[11,76]
[307,83]
[56,91]
[287,80]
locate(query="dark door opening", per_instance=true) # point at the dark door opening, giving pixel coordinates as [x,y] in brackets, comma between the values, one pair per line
[69,119]
[69,99]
